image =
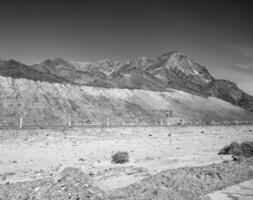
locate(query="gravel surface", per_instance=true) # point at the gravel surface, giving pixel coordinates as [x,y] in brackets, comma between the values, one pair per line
[184,183]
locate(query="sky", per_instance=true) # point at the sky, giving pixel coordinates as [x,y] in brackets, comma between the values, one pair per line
[215,33]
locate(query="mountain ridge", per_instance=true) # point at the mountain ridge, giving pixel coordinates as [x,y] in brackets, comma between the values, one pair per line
[170,70]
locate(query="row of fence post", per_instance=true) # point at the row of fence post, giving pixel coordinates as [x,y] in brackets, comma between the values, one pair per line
[69,122]
[107,122]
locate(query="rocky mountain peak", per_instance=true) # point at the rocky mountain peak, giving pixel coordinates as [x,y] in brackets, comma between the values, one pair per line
[167,55]
[178,61]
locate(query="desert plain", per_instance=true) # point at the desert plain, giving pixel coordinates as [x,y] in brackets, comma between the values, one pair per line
[27,155]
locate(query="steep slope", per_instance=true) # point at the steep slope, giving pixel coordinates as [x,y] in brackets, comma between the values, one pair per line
[14,69]
[75,73]
[180,72]
[229,91]
[171,70]
[42,103]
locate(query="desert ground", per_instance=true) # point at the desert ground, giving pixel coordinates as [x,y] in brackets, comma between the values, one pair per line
[39,153]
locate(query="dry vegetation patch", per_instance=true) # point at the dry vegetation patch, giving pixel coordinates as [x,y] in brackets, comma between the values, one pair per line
[120,157]
[244,149]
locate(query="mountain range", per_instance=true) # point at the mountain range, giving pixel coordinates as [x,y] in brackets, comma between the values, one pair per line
[172,70]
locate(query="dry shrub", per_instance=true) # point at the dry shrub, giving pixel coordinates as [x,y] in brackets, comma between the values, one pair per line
[244,149]
[120,157]
[247,148]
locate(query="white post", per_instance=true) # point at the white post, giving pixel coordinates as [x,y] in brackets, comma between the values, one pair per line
[69,123]
[236,122]
[161,122]
[21,123]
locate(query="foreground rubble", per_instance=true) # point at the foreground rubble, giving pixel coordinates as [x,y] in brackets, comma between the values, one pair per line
[186,183]
[71,184]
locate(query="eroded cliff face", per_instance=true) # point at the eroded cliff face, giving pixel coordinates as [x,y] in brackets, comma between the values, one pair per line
[42,103]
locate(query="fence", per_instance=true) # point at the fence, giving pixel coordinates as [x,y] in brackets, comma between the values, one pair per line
[107,124]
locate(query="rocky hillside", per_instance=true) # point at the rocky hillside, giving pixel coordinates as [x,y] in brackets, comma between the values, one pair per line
[229,91]
[172,70]
[43,103]
[14,69]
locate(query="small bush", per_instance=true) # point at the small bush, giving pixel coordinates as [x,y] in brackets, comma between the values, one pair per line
[244,149]
[120,157]
[232,149]
[247,148]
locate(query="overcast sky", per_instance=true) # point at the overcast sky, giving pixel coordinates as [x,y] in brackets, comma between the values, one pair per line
[216,33]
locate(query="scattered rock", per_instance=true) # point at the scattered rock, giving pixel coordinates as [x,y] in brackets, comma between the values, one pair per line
[3,177]
[91,174]
[186,183]
[149,158]
[73,184]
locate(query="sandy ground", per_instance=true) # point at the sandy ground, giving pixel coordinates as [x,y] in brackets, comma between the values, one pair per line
[33,154]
